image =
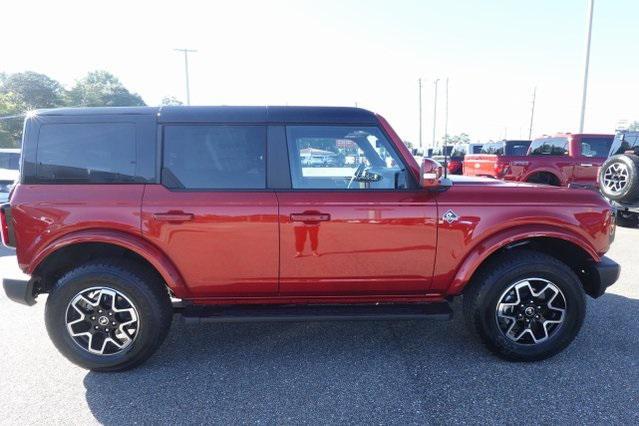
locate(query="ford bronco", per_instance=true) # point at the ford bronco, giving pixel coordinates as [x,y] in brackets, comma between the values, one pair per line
[126,216]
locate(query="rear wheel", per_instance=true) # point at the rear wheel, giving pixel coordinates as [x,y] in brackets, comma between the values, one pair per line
[525,306]
[108,315]
[545,179]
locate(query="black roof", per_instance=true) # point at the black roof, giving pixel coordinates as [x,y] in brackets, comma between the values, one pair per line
[231,114]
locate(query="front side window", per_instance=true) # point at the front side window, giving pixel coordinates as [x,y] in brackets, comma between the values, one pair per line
[86,153]
[595,147]
[624,142]
[549,146]
[214,157]
[343,157]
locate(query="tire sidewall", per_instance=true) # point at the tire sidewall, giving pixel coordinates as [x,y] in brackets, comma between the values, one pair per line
[72,284]
[629,192]
[575,311]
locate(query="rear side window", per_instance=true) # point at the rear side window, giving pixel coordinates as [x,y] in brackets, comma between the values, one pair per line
[214,157]
[86,153]
[516,148]
[595,147]
[549,146]
[493,148]
[624,142]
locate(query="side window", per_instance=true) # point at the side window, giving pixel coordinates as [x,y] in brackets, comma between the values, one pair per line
[343,157]
[595,147]
[214,157]
[549,146]
[86,153]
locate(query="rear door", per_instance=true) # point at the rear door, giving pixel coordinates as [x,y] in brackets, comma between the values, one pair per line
[357,224]
[211,213]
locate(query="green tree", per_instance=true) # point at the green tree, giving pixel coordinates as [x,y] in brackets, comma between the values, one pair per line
[22,92]
[171,100]
[455,139]
[101,88]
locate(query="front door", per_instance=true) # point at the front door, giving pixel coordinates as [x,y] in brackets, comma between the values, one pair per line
[353,222]
[212,214]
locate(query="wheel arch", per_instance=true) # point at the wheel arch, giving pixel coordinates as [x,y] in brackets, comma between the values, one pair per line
[67,251]
[568,248]
[556,174]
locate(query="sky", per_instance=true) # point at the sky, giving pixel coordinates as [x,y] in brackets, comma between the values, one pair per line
[346,53]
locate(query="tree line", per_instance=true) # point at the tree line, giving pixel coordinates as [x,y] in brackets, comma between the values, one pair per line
[25,91]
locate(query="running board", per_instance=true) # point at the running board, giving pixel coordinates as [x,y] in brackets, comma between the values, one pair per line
[263,313]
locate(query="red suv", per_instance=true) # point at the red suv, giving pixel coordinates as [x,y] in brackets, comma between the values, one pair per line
[120,212]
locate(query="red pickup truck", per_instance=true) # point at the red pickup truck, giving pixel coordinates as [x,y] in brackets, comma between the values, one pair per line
[125,216]
[560,160]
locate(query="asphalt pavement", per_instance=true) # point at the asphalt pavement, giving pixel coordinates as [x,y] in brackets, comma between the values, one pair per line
[340,372]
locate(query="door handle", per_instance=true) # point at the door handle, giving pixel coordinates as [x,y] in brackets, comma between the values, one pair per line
[173,217]
[310,217]
[586,164]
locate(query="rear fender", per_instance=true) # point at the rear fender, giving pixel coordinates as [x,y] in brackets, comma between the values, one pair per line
[149,252]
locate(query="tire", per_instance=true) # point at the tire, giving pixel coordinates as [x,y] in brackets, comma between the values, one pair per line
[544,179]
[627,219]
[491,287]
[619,178]
[139,328]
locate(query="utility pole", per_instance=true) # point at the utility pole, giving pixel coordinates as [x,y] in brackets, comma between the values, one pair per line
[446,114]
[435,114]
[186,71]
[419,81]
[591,6]
[532,113]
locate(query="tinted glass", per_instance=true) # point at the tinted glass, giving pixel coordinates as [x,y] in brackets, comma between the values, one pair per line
[516,148]
[214,157]
[595,147]
[493,148]
[336,157]
[549,146]
[86,153]
[9,160]
[630,141]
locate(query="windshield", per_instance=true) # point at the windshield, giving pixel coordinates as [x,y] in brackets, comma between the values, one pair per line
[9,160]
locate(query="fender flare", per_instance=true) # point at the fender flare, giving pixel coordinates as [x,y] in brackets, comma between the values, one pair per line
[555,172]
[488,246]
[128,241]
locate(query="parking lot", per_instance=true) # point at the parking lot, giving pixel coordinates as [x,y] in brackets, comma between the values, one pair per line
[349,372]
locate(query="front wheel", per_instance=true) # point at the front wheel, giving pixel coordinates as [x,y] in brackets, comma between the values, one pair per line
[525,306]
[108,315]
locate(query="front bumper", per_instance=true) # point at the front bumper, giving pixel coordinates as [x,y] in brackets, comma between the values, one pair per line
[605,273]
[20,291]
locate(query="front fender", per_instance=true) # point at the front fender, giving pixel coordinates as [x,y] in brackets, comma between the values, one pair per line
[476,257]
[136,244]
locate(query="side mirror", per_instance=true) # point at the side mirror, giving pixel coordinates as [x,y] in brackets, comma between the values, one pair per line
[431,173]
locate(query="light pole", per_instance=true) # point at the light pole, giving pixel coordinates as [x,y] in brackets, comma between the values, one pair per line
[419,82]
[591,6]
[446,114]
[532,113]
[435,114]
[186,71]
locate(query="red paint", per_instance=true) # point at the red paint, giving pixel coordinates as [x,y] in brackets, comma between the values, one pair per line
[308,246]
[572,168]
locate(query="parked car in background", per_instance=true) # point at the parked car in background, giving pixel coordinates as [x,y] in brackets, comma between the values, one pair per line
[619,177]
[560,160]
[9,170]
[484,164]
[455,155]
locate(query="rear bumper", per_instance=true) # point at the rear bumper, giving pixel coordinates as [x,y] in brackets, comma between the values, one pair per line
[20,291]
[606,274]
